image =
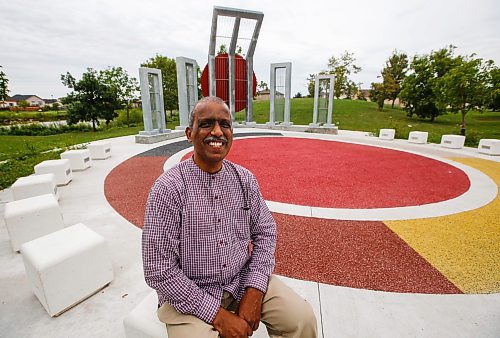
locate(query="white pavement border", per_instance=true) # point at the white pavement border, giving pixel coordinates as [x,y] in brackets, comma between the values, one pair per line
[342,312]
[482,190]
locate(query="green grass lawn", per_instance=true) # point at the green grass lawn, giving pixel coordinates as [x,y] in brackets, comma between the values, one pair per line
[365,116]
[19,154]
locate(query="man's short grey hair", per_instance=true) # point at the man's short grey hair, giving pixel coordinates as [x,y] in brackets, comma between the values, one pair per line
[200,103]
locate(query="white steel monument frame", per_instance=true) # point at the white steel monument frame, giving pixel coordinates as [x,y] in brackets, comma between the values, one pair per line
[288,88]
[331,79]
[187,88]
[238,14]
[147,114]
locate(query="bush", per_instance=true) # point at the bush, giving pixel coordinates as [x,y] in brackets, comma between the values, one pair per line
[135,117]
[11,117]
[38,129]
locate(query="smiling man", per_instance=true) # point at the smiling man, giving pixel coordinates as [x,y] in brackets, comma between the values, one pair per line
[208,244]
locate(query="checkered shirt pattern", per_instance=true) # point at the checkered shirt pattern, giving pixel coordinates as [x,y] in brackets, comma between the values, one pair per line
[196,237]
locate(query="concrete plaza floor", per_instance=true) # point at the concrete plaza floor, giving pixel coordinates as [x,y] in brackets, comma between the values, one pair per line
[341,311]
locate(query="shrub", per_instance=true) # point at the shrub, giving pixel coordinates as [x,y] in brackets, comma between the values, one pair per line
[38,129]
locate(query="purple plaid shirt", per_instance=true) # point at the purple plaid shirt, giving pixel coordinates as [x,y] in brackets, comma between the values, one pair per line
[196,237]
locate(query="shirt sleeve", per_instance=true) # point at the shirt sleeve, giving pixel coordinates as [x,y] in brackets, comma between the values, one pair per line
[263,235]
[160,252]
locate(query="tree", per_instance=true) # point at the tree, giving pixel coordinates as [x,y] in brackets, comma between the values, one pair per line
[311,84]
[169,79]
[263,86]
[91,99]
[420,88]
[298,95]
[223,50]
[23,104]
[393,74]
[4,90]
[494,89]
[125,86]
[377,94]
[465,86]
[342,67]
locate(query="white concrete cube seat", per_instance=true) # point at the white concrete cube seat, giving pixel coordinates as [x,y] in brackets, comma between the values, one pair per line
[453,141]
[67,266]
[387,134]
[34,185]
[78,159]
[60,168]
[31,218]
[489,146]
[142,321]
[99,150]
[418,137]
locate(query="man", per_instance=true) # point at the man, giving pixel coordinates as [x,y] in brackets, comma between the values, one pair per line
[209,240]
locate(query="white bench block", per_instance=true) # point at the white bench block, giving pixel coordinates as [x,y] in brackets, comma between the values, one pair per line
[67,266]
[99,150]
[34,185]
[418,137]
[453,141]
[78,159]
[31,218]
[142,321]
[60,168]
[489,146]
[387,134]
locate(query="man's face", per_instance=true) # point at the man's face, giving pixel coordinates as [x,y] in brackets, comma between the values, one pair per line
[211,135]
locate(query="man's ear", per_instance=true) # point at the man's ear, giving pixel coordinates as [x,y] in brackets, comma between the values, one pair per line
[188,134]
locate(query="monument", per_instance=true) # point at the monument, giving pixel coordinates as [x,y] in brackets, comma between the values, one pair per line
[230,73]
[323,101]
[187,88]
[279,100]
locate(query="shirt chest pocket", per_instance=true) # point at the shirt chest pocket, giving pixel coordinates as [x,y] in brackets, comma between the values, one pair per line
[240,223]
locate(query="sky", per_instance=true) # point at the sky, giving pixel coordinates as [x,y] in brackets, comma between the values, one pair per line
[42,39]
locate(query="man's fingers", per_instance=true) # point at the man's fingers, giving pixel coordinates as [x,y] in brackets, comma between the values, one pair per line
[249,330]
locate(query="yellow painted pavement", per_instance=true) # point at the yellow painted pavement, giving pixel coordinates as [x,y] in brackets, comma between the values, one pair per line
[464,247]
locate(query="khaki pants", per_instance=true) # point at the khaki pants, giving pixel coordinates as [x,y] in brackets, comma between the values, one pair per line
[284,313]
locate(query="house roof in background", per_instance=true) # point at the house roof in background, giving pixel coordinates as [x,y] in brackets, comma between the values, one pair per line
[19,97]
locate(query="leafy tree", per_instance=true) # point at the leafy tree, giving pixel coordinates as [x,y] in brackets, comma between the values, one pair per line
[465,86]
[263,86]
[4,90]
[169,79]
[393,74]
[420,88]
[494,89]
[23,104]
[310,84]
[91,99]
[223,50]
[377,94]
[342,67]
[125,86]
[298,95]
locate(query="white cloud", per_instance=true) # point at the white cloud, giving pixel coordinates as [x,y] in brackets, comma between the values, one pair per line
[40,40]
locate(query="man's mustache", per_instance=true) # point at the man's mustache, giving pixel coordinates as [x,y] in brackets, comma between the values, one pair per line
[216,139]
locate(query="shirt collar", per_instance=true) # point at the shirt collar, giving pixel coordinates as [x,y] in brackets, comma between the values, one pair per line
[203,175]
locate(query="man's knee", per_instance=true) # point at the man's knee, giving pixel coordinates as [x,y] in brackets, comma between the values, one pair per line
[308,319]
[303,316]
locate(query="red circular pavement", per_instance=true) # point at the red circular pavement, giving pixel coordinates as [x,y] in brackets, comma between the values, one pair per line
[333,174]
[311,172]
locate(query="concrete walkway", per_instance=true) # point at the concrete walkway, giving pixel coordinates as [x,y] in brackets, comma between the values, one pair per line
[341,311]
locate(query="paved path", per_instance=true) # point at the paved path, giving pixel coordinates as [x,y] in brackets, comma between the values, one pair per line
[459,251]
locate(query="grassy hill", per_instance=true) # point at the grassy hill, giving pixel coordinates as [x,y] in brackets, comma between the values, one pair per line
[365,116]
